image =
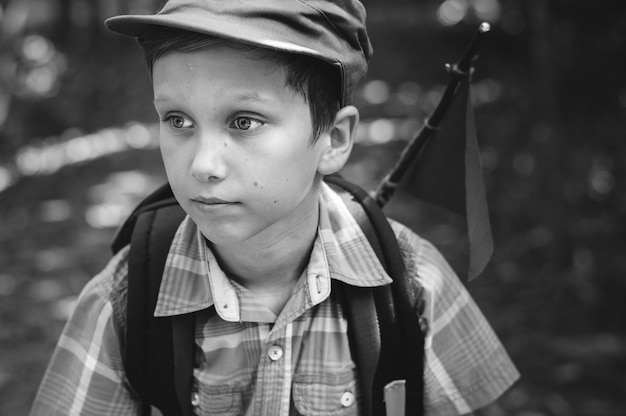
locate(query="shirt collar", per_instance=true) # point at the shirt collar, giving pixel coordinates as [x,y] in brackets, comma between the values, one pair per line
[192,279]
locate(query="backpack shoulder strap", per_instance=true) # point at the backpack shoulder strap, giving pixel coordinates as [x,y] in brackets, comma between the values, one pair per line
[385,320]
[161,197]
[153,343]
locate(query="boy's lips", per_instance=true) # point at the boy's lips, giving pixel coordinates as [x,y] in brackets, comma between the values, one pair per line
[211,203]
[210,200]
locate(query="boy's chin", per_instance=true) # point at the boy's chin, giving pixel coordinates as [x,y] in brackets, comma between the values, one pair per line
[221,238]
[225,234]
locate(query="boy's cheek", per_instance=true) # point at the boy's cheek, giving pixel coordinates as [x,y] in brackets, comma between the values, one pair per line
[258,185]
[172,156]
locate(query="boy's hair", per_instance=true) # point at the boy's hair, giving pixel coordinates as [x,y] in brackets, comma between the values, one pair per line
[316,81]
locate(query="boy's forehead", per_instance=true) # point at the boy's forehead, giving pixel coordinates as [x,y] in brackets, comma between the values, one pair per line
[245,76]
[251,61]
[333,31]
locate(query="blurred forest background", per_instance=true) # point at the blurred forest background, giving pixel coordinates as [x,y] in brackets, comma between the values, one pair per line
[78,150]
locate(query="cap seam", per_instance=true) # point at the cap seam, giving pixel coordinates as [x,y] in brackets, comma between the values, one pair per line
[330,22]
[320,12]
[344,75]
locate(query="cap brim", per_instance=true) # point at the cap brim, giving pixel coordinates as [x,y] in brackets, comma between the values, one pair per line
[151,27]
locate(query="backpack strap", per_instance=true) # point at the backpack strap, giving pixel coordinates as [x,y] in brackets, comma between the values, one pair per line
[161,197]
[364,334]
[398,306]
[150,339]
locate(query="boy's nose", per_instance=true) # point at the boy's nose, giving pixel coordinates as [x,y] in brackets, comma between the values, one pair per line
[208,162]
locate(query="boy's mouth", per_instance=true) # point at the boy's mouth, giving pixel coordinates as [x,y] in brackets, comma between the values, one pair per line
[211,202]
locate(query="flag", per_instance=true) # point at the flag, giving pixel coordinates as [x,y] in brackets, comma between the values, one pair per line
[447,172]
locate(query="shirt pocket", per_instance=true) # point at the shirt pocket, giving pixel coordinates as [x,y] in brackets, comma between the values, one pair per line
[333,394]
[220,400]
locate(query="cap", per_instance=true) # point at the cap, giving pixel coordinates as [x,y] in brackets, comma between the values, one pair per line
[333,31]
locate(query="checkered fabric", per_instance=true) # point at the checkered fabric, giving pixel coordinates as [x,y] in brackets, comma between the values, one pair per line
[249,361]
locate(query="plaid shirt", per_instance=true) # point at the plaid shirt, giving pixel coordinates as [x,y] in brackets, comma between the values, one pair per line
[250,361]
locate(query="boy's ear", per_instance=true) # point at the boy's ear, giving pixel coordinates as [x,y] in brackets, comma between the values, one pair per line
[338,141]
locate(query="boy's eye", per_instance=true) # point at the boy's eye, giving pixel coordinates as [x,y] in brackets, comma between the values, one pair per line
[246,123]
[179,122]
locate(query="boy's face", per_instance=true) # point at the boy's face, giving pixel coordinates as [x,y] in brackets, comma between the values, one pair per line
[236,144]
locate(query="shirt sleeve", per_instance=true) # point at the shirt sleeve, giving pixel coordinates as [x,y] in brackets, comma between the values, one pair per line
[466,367]
[85,375]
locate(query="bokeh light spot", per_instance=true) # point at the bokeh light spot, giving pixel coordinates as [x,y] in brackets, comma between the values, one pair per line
[376,92]
[451,12]
[602,182]
[38,49]
[409,93]
[381,131]
[487,9]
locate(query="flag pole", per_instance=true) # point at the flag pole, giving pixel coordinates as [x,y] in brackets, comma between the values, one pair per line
[457,72]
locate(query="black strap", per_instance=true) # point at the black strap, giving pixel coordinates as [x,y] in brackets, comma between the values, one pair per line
[162,197]
[364,335]
[402,337]
[151,342]
[136,323]
[183,348]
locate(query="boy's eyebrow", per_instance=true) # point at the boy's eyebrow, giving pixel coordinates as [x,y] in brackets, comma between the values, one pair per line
[252,96]
[241,97]
[161,96]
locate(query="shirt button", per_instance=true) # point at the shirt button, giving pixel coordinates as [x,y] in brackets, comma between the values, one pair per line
[195,399]
[275,353]
[347,399]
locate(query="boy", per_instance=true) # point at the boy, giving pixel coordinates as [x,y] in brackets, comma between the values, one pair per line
[253,101]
